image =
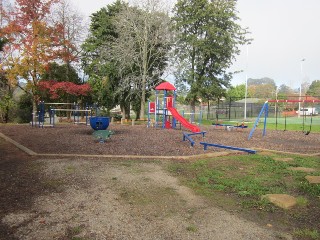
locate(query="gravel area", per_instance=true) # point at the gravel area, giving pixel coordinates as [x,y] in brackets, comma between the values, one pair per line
[97,199]
[140,140]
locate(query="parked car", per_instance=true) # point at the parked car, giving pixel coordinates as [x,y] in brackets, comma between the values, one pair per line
[308,111]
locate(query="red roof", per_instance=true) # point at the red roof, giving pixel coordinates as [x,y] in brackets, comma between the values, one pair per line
[165,86]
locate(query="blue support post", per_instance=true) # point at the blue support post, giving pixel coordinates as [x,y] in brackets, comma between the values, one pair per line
[187,136]
[50,115]
[263,110]
[198,133]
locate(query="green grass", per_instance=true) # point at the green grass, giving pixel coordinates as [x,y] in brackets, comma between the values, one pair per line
[238,183]
[293,123]
[54,184]
[70,169]
[307,234]
[302,201]
[72,232]
[192,228]
[248,175]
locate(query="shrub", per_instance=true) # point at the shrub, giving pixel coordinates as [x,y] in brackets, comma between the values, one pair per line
[24,110]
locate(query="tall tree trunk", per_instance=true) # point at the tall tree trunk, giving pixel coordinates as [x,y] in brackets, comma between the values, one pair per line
[6,114]
[123,111]
[145,70]
[138,115]
[193,76]
[143,99]
[34,109]
[127,111]
[68,100]
[34,96]
[193,105]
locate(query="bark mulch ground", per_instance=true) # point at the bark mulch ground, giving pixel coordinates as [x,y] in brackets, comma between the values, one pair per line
[140,140]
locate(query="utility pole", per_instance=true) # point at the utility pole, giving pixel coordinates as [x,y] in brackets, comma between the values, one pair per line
[246,85]
[300,91]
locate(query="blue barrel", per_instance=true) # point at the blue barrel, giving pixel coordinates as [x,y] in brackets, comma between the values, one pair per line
[99,123]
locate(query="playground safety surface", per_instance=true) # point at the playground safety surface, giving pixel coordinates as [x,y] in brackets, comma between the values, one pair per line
[140,141]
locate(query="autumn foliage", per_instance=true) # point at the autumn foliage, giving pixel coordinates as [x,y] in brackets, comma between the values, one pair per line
[57,89]
[34,42]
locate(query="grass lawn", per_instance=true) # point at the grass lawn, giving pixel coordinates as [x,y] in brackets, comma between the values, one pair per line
[290,124]
[237,184]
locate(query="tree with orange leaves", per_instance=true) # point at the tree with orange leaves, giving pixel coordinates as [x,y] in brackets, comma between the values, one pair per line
[32,43]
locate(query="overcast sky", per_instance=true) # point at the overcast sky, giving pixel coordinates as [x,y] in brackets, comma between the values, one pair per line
[284,33]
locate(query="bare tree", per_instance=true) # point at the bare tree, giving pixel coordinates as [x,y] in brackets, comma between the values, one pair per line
[71,23]
[142,47]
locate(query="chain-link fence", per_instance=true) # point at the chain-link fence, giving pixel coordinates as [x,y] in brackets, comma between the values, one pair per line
[233,109]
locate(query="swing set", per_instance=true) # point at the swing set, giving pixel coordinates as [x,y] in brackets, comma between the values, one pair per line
[305,112]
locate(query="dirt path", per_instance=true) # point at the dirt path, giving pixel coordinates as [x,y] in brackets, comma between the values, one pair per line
[99,199]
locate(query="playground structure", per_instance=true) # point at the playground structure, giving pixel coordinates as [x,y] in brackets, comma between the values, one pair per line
[187,136]
[265,111]
[46,117]
[163,111]
[100,125]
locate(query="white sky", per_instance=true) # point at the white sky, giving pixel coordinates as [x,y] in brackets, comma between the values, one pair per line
[284,32]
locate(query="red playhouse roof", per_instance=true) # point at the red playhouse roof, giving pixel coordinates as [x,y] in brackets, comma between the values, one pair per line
[165,86]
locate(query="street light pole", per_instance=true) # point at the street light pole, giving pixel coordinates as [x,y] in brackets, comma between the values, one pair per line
[245,98]
[300,91]
[246,86]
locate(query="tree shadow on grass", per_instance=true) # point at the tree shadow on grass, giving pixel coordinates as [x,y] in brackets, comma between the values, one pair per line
[20,184]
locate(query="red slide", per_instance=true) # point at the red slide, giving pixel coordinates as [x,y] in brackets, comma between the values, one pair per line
[183,121]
